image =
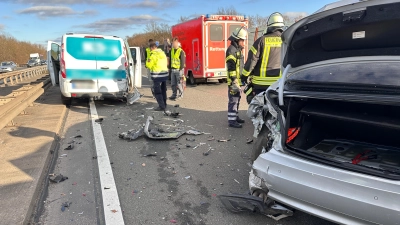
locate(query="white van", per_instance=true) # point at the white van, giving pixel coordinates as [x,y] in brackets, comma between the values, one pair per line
[86,66]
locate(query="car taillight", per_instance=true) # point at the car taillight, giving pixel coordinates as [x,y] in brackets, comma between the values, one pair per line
[62,66]
[209,74]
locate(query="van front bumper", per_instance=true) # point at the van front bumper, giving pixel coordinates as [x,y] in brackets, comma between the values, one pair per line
[334,194]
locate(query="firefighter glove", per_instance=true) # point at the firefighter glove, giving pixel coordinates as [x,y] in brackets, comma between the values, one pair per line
[243,79]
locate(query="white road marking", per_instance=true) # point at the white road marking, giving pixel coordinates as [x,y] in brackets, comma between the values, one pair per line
[111,204]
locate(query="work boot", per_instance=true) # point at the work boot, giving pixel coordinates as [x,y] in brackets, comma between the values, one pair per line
[239,120]
[172,97]
[159,109]
[235,125]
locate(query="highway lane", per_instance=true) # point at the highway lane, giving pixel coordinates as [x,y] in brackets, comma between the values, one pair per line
[180,183]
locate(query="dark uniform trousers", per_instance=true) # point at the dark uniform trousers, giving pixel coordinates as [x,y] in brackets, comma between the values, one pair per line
[233,106]
[160,93]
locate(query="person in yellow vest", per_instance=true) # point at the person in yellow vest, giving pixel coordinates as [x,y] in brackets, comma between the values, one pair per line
[157,64]
[147,56]
[234,62]
[263,65]
[177,59]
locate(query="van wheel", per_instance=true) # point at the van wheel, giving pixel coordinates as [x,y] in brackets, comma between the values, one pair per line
[65,100]
[192,81]
[261,142]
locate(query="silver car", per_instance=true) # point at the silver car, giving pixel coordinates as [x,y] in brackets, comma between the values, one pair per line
[8,66]
[328,130]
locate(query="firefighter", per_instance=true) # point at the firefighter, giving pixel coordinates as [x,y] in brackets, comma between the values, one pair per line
[262,67]
[177,64]
[157,64]
[234,63]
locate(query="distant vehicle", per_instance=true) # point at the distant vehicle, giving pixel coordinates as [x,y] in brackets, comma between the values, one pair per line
[7,67]
[43,62]
[205,40]
[35,57]
[87,65]
[31,63]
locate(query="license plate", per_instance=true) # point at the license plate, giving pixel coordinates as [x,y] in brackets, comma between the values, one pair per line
[220,73]
[83,85]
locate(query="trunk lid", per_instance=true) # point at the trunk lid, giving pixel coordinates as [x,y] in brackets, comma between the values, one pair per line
[348,42]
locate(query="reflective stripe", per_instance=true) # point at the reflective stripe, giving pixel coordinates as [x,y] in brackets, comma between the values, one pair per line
[265,80]
[230,57]
[232,73]
[245,73]
[232,114]
[232,118]
[253,50]
[249,91]
[270,42]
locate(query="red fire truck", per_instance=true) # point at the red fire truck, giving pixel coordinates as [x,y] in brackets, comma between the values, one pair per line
[205,40]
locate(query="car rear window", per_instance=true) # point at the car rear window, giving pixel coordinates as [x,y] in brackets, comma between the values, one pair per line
[94,48]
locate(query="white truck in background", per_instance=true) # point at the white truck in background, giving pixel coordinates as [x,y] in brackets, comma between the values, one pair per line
[36,58]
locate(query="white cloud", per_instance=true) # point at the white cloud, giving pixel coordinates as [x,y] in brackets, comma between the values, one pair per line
[114,24]
[149,4]
[63,2]
[55,11]
[2,27]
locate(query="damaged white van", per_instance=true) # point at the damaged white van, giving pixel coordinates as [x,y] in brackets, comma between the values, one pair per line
[96,66]
[328,131]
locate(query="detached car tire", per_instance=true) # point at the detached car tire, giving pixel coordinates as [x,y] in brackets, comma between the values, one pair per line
[261,141]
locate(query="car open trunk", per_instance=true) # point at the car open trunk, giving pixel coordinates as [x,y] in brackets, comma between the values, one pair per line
[359,136]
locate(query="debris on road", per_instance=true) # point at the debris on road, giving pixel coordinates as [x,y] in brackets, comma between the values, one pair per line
[249,141]
[190,139]
[187,177]
[143,164]
[57,178]
[62,156]
[224,140]
[173,221]
[207,152]
[176,106]
[99,120]
[171,114]
[194,132]
[159,133]
[149,155]
[65,205]
[200,144]
[236,181]
[69,147]
[211,138]
[114,211]
[106,188]
[78,136]
[188,146]
[131,134]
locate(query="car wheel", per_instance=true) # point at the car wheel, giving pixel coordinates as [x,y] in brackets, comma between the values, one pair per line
[192,81]
[65,100]
[221,81]
[261,142]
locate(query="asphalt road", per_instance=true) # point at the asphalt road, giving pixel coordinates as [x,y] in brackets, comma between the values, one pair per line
[180,183]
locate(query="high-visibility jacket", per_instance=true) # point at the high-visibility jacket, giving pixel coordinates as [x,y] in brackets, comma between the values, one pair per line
[234,62]
[264,59]
[157,64]
[148,51]
[178,58]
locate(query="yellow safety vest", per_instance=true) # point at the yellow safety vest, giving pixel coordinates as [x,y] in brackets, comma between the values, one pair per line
[270,42]
[148,52]
[157,62]
[175,58]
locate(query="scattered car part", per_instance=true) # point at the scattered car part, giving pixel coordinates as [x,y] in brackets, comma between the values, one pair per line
[57,178]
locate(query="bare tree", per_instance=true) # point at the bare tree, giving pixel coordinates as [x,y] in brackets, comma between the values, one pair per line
[183,19]
[17,51]
[227,11]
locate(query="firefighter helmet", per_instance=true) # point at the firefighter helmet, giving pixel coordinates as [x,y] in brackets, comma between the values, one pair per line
[240,33]
[275,20]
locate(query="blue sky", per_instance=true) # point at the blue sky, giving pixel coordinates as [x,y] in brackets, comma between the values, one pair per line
[38,21]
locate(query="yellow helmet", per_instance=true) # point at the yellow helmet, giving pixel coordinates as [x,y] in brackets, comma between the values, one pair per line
[274,20]
[240,33]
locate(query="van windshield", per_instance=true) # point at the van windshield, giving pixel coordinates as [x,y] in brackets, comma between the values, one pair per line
[94,49]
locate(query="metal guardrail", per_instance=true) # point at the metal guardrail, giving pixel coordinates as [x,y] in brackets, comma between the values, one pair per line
[21,75]
[16,102]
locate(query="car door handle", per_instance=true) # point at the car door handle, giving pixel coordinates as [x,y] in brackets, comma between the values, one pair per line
[105,67]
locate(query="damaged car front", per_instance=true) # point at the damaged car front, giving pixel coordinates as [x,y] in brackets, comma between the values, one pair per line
[327,131]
